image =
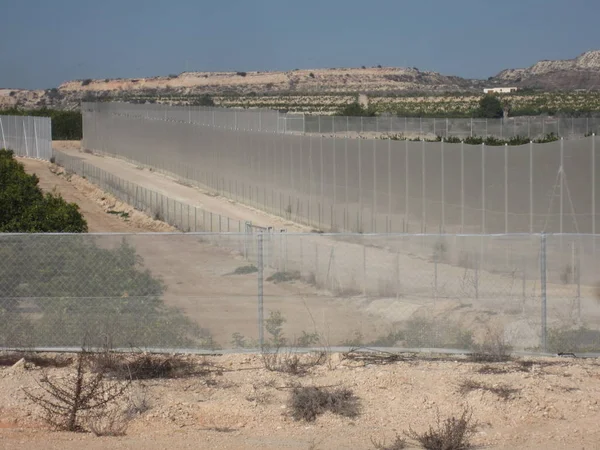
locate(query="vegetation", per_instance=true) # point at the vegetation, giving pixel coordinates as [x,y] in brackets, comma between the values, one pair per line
[66,125]
[308,402]
[454,433]
[71,284]
[203,100]
[478,140]
[356,109]
[490,107]
[66,401]
[25,209]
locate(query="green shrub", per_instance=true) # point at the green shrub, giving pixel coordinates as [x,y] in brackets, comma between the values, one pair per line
[25,209]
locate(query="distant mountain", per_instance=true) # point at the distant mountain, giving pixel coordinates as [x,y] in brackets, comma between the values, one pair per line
[582,72]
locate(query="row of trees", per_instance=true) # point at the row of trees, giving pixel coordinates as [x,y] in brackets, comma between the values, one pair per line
[490,107]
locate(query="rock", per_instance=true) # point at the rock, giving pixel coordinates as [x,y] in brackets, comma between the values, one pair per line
[20,364]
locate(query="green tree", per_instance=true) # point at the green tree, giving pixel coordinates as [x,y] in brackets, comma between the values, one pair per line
[356,109]
[490,107]
[204,100]
[25,209]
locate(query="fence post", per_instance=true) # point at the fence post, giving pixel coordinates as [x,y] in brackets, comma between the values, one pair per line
[530,187]
[561,187]
[364,269]
[462,186]
[543,342]
[594,191]
[260,290]
[506,188]
[3,137]
[443,227]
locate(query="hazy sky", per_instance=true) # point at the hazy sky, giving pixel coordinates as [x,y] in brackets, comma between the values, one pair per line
[46,42]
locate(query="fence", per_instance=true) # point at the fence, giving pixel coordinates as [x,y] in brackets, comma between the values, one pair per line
[207,292]
[369,185]
[261,120]
[180,215]
[531,127]
[27,136]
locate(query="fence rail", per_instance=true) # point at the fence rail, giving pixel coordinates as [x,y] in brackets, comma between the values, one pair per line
[530,127]
[27,136]
[208,292]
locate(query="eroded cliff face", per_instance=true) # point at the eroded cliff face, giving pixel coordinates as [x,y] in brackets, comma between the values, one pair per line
[582,72]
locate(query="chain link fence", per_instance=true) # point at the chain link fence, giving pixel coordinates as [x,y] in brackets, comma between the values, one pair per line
[261,120]
[180,215]
[531,127]
[369,185]
[27,136]
[197,292]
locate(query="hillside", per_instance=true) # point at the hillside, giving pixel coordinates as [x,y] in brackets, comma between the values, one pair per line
[582,72]
[323,90]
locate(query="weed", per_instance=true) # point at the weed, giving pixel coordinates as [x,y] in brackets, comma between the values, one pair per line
[454,433]
[308,402]
[64,401]
[284,277]
[109,422]
[398,443]
[493,349]
[138,402]
[564,339]
[122,214]
[308,339]
[501,390]
[145,366]
[243,270]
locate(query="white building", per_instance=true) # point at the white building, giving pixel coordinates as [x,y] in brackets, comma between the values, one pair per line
[500,90]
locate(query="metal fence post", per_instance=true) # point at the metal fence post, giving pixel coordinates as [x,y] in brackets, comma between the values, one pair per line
[594,191]
[543,342]
[260,291]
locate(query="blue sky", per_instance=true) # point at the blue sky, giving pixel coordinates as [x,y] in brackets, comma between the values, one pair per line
[46,42]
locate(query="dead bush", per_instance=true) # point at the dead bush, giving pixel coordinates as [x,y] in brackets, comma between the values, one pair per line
[146,366]
[83,392]
[501,390]
[108,422]
[308,402]
[493,349]
[454,433]
[399,443]
[284,277]
[138,402]
[290,362]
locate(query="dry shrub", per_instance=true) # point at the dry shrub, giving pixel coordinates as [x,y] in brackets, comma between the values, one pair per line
[308,402]
[109,422]
[147,366]
[399,443]
[454,433]
[501,390]
[493,349]
[65,401]
[291,362]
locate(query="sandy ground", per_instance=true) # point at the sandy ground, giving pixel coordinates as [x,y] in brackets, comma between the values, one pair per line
[551,404]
